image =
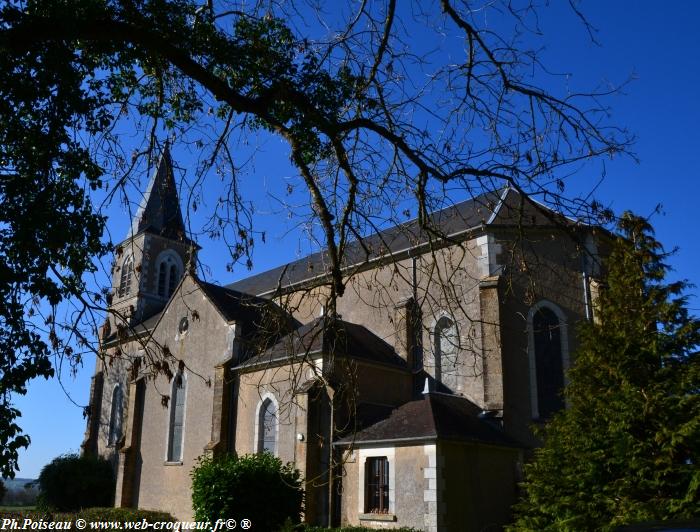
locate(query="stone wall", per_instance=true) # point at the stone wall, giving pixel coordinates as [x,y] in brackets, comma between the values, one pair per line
[159,484]
[409,473]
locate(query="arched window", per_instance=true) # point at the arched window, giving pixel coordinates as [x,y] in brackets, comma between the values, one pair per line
[127,271]
[446,340]
[115,417]
[548,359]
[267,427]
[177,418]
[169,268]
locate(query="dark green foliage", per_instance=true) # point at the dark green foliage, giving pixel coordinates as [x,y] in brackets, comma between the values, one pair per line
[71,482]
[3,491]
[48,229]
[68,85]
[256,487]
[124,515]
[628,447]
[92,515]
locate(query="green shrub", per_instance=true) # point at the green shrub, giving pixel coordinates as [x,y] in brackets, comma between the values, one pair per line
[71,482]
[125,515]
[256,487]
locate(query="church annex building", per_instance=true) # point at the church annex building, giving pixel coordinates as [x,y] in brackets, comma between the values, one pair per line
[411,405]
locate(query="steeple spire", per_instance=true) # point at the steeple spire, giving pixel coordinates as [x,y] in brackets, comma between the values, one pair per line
[159,211]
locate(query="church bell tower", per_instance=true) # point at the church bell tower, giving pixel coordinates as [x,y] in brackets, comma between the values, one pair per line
[155,254]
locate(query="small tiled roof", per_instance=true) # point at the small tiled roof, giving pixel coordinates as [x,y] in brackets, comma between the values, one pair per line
[324,335]
[367,414]
[459,217]
[437,416]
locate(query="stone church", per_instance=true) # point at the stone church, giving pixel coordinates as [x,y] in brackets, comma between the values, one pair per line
[411,404]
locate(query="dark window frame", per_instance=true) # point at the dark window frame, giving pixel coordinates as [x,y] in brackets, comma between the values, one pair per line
[549,361]
[377,485]
[162,267]
[172,279]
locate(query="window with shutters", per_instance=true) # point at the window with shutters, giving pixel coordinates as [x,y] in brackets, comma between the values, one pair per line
[177,418]
[377,485]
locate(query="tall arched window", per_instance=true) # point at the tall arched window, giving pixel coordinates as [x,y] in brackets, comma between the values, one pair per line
[267,427]
[548,359]
[177,418]
[446,339]
[169,268]
[127,271]
[115,417]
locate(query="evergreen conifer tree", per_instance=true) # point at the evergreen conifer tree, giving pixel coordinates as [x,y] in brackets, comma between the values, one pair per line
[627,447]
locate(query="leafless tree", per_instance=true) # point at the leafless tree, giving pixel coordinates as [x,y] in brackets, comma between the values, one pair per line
[387,112]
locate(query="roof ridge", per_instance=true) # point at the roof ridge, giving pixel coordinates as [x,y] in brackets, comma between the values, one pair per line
[232,291]
[433,418]
[283,272]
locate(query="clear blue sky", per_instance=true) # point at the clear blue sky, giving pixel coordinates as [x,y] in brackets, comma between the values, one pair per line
[656,42]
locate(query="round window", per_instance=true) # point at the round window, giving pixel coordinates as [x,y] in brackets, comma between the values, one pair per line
[184,325]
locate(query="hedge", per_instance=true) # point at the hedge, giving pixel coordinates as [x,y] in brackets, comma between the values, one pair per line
[258,487]
[71,482]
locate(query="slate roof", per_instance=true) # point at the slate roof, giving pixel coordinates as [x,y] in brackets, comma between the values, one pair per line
[367,414]
[149,323]
[504,208]
[136,329]
[159,211]
[232,304]
[462,216]
[435,416]
[323,334]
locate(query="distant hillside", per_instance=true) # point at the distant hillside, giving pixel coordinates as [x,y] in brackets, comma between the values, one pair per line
[17,483]
[18,493]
